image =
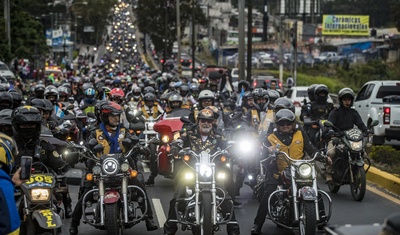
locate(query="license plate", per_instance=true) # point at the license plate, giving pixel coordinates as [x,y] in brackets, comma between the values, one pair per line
[396,122]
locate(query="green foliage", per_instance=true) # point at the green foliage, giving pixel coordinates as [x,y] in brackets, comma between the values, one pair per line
[158,21]
[386,156]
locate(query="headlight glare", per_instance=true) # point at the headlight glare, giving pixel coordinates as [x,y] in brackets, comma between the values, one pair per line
[205,170]
[356,145]
[165,139]
[304,170]
[221,176]
[40,194]
[189,176]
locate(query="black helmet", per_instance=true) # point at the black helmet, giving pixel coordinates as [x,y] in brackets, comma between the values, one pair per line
[39,104]
[109,108]
[184,90]
[17,98]
[260,93]
[310,92]
[26,115]
[149,97]
[6,100]
[321,99]
[6,122]
[207,114]
[243,83]
[149,89]
[346,93]
[63,91]
[283,103]
[284,115]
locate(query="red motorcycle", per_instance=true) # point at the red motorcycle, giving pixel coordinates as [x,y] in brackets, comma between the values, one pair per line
[169,129]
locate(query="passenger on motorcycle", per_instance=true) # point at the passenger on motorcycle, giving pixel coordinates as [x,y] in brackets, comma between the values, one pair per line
[344,118]
[198,139]
[260,107]
[243,86]
[311,97]
[10,222]
[291,140]
[109,134]
[150,107]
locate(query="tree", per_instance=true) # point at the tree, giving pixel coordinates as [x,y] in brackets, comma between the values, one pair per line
[154,16]
[27,35]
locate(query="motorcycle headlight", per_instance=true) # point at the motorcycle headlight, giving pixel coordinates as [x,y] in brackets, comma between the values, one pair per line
[110,166]
[221,176]
[40,194]
[304,170]
[189,176]
[96,170]
[356,145]
[245,146]
[165,139]
[125,167]
[205,170]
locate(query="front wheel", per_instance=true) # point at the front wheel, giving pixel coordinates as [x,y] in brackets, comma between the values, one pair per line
[113,219]
[207,226]
[359,185]
[308,218]
[333,188]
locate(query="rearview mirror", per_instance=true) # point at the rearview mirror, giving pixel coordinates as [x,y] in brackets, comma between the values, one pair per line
[91,115]
[92,143]
[135,139]
[374,123]
[328,124]
[127,143]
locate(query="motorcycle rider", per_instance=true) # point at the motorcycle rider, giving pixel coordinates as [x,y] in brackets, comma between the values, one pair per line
[206,98]
[88,103]
[317,110]
[10,222]
[150,107]
[51,94]
[188,99]
[200,138]
[343,118]
[110,134]
[291,140]
[6,100]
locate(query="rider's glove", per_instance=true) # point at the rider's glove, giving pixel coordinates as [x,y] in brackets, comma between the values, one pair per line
[331,133]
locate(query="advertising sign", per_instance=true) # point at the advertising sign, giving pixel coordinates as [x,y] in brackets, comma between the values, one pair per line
[348,25]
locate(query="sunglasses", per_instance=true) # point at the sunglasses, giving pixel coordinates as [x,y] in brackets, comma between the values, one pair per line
[285,123]
[206,121]
[207,100]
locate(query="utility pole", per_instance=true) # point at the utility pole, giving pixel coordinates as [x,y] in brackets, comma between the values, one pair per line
[178,35]
[7,22]
[294,46]
[281,49]
[241,40]
[193,39]
[249,38]
[165,36]
[265,22]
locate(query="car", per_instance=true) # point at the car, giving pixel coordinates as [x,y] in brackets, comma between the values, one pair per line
[298,95]
[56,71]
[6,72]
[264,80]
[185,60]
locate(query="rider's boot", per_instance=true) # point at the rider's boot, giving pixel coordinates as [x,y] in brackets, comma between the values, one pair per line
[150,224]
[150,180]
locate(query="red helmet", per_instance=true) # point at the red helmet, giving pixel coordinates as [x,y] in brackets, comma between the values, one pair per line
[109,108]
[117,95]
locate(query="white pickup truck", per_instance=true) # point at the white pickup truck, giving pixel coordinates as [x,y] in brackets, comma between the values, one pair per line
[380,100]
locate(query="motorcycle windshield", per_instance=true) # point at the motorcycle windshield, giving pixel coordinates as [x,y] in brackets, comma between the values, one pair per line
[354,134]
[168,126]
[177,113]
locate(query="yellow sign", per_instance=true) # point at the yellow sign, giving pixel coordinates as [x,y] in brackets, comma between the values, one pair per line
[350,25]
[40,178]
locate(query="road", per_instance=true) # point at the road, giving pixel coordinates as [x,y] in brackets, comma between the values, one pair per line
[373,209]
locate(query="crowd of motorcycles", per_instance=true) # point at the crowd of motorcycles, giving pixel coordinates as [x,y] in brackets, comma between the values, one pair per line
[114,204]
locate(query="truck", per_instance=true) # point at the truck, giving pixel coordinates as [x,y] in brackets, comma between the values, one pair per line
[325,57]
[380,100]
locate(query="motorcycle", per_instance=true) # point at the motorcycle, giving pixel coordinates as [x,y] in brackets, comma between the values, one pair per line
[169,129]
[295,203]
[314,128]
[39,201]
[112,203]
[350,157]
[203,198]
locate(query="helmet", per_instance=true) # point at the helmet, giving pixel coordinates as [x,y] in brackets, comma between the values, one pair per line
[184,90]
[109,108]
[246,96]
[63,91]
[26,115]
[284,115]
[6,100]
[206,94]
[207,114]
[214,110]
[346,93]
[117,94]
[90,93]
[8,150]
[310,92]
[149,89]
[175,98]
[194,88]
[321,99]
[273,95]
[87,85]
[283,103]
[51,93]
[260,93]
[149,97]
[243,83]
[17,98]
[39,104]
[39,91]
[5,117]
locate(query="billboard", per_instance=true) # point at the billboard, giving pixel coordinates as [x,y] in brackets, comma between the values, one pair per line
[348,25]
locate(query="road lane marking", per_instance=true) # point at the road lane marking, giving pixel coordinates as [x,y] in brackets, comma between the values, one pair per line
[159,212]
[145,167]
[382,194]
